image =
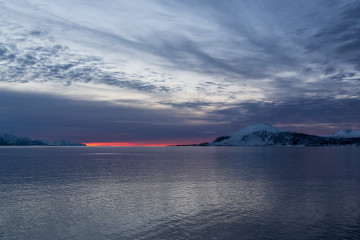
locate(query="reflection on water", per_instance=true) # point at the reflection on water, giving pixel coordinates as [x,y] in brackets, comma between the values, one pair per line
[179,193]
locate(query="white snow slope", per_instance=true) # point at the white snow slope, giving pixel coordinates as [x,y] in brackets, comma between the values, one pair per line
[345,134]
[255,135]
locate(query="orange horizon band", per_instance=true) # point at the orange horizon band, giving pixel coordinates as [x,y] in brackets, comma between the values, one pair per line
[126,144]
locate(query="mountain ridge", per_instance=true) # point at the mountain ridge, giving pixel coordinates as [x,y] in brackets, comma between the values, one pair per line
[267,135]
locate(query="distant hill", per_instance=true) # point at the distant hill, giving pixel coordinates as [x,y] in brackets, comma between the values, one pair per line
[12,140]
[266,135]
[346,134]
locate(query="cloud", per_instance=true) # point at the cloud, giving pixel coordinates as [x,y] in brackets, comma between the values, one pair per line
[56,63]
[247,42]
[338,39]
[312,115]
[58,118]
[53,118]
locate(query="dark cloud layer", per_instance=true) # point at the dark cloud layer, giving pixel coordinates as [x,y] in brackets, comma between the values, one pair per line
[45,116]
[40,116]
[311,115]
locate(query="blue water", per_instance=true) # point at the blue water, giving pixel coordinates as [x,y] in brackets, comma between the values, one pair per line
[179,193]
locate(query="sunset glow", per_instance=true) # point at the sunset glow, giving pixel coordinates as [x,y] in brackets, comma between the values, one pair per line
[148,143]
[125,144]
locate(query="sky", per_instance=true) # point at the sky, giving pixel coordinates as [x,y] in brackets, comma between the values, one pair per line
[177,71]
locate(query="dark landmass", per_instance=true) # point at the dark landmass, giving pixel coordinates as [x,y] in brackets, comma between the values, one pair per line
[12,140]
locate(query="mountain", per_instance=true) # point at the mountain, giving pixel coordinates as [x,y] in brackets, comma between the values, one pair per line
[345,134]
[265,135]
[12,140]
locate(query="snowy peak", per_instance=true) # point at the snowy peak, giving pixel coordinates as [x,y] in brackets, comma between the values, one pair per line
[346,134]
[261,127]
[256,135]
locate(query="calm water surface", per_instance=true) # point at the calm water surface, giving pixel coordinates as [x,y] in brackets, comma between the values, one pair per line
[179,193]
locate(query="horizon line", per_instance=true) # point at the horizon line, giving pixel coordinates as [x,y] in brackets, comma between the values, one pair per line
[126,144]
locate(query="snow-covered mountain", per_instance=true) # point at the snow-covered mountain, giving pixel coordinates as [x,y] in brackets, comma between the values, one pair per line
[345,134]
[12,140]
[264,134]
[259,134]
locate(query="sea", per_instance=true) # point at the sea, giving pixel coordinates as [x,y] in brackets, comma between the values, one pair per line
[129,193]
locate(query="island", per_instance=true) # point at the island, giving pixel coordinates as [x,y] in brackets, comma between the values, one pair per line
[266,135]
